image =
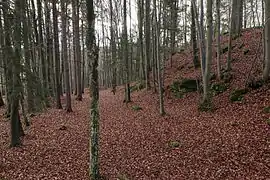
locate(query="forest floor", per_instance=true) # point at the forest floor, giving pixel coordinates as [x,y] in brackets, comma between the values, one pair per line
[233,142]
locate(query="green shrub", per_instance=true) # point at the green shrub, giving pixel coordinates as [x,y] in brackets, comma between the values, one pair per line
[180,88]
[218,88]
[268,121]
[136,108]
[175,89]
[266,109]
[189,85]
[137,87]
[174,144]
[238,95]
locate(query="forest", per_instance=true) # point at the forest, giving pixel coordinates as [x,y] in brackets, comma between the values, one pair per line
[134,89]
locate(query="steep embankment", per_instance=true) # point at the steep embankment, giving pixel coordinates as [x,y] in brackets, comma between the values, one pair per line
[233,142]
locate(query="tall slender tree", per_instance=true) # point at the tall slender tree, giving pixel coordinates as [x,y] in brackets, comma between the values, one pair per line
[267,41]
[140,26]
[113,49]
[94,88]
[218,37]
[77,47]
[41,53]
[65,54]
[29,84]
[147,42]
[7,55]
[206,97]
[16,82]
[57,56]
[194,39]
[125,49]
[159,73]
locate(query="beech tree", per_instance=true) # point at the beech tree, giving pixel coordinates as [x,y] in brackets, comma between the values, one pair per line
[57,56]
[193,38]
[125,49]
[218,38]
[140,29]
[93,51]
[206,97]
[157,47]
[147,42]
[267,41]
[113,49]
[237,16]
[65,55]
[77,47]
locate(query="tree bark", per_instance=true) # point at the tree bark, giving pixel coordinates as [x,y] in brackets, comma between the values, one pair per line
[157,45]
[218,38]
[65,55]
[237,17]
[16,83]
[77,47]
[125,49]
[267,41]
[29,84]
[147,43]
[94,89]
[206,96]
[57,56]
[41,54]
[113,50]
[193,38]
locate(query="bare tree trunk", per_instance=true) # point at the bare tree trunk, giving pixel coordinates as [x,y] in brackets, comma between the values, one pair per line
[203,37]
[154,53]
[147,42]
[267,42]
[193,38]
[200,37]
[8,54]
[57,58]
[16,82]
[49,48]
[140,26]
[83,57]
[232,30]
[262,12]
[94,121]
[29,84]
[77,47]
[206,97]
[157,45]
[245,14]
[218,38]
[65,54]
[237,14]
[125,49]
[41,54]
[113,50]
